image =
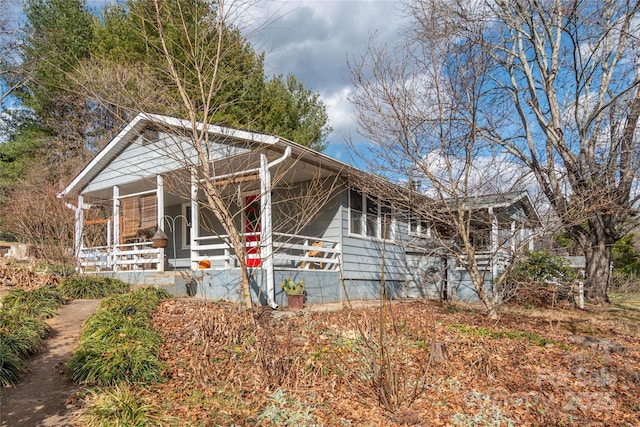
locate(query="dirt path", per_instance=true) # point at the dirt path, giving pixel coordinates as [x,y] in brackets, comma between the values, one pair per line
[39,398]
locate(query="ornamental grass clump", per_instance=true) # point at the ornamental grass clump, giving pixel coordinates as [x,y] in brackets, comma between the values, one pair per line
[118,344]
[92,287]
[42,303]
[11,365]
[23,329]
[119,406]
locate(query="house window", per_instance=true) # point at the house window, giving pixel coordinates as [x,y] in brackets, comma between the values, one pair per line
[414,224]
[419,226]
[186,225]
[355,210]
[387,221]
[369,216]
[372,217]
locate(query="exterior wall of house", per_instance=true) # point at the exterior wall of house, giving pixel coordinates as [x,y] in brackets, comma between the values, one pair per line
[362,259]
[159,157]
[428,276]
[460,286]
[224,284]
[213,228]
[293,211]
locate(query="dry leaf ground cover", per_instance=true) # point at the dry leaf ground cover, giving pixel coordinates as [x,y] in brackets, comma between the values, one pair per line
[329,368]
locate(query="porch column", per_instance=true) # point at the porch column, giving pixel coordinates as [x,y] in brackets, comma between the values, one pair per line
[530,233]
[266,228]
[160,199]
[513,237]
[494,243]
[116,225]
[79,225]
[193,242]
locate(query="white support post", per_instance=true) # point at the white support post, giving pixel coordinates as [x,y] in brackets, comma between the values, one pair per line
[160,199]
[494,243]
[116,225]
[109,245]
[530,236]
[266,227]
[79,225]
[195,227]
[513,237]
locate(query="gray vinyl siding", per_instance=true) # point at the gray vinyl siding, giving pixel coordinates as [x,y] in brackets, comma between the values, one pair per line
[138,161]
[292,214]
[362,256]
[461,287]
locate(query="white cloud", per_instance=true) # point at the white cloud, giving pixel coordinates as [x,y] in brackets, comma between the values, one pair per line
[314,39]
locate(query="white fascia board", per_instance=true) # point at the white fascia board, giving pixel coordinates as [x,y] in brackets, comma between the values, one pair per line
[214,129]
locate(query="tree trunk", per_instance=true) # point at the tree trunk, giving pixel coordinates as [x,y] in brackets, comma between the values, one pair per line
[438,353]
[598,271]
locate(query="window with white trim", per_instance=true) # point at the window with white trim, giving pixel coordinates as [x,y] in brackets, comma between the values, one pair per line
[370,216]
[419,226]
[355,212]
[387,221]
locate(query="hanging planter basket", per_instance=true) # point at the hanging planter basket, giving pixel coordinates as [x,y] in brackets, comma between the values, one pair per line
[159,239]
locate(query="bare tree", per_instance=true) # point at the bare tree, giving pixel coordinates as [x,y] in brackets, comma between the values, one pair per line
[39,219]
[419,103]
[550,84]
[567,78]
[9,39]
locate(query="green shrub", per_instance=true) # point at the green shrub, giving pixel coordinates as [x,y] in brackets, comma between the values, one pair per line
[22,336]
[624,258]
[116,361]
[542,266]
[118,343]
[92,287]
[542,279]
[22,328]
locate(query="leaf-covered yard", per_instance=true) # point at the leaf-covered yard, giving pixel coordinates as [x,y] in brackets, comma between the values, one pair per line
[328,368]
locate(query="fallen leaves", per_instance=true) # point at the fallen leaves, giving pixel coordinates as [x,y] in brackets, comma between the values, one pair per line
[223,367]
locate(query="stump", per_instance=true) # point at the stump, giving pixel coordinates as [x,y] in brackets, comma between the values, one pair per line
[438,352]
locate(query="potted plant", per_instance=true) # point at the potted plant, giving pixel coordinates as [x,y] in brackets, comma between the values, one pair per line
[295,293]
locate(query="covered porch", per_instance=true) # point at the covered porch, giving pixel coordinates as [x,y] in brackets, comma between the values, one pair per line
[163,224]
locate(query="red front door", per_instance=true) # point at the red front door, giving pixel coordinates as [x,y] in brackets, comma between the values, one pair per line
[252,229]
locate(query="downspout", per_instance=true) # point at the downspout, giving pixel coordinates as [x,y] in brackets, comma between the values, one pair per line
[267,223]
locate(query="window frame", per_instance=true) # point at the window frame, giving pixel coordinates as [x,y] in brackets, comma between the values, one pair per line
[367,228]
[420,230]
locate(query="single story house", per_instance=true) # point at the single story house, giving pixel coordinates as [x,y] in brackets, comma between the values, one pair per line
[302,215]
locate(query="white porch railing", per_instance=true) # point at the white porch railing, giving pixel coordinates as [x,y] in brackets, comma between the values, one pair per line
[289,251]
[305,252]
[132,256]
[485,258]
